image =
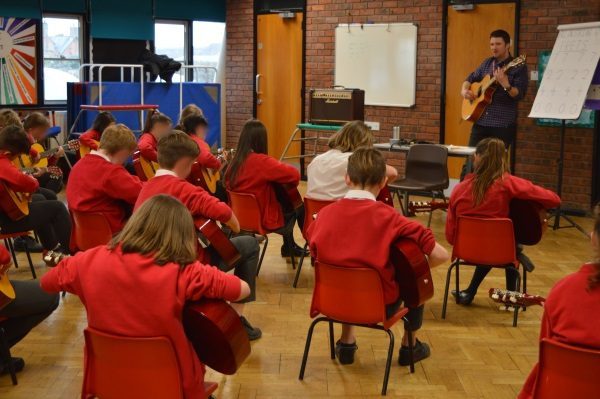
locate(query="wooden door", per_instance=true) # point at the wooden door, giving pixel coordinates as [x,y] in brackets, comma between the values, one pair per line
[279,79]
[467,46]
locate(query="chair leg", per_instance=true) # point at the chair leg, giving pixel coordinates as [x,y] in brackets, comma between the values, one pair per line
[456,274]
[11,248]
[307,345]
[405,200]
[5,351]
[431,210]
[292,257]
[388,363]
[331,340]
[446,291]
[516,312]
[30,263]
[524,286]
[262,255]
[299,267]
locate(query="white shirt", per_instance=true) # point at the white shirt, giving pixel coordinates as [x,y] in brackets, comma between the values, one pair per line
[165,172]
[326,175]
[360,194]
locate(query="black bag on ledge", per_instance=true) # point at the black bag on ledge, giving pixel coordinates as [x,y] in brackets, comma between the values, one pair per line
[159,65]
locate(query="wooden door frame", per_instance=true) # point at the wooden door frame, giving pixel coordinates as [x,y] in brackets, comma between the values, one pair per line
[515,51]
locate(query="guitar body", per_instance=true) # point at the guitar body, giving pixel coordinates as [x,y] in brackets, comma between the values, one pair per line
[385,196]
[219,241]
[473,109]
[15,205]
[288,196]
[85,150]
[412,273]
[217,334]
[205,178]
[144,168]
[24,160]
[7,292]
[530,221]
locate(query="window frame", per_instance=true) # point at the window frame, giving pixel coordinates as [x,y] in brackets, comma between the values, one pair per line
[223,45]
[187,39]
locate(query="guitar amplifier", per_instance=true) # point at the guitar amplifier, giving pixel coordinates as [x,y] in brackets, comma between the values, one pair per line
[336,106]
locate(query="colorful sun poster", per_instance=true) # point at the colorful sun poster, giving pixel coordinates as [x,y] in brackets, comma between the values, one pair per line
[18,70]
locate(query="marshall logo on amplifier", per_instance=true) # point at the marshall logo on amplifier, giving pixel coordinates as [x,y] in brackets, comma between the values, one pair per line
[336,106]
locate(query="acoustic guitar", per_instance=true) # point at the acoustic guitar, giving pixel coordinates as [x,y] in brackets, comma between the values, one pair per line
[85,150]
[208,178]
[385,196]
[288,195]
[217,334]
[24,161]
[144,168]
[14,205]
[412,273]
[484,90]
[530,221]
[7,292]
[515,298]
[415,207]
[211,234]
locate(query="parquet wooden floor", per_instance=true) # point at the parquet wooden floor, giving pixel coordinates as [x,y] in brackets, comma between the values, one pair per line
[476,353]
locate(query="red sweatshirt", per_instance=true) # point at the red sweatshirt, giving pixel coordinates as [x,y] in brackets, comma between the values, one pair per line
[90,139]
[256,176]
[206,159]
[359,233]
[14,178]
[147,146]
[97,185]
[496,201]
[570,316]
[129,295]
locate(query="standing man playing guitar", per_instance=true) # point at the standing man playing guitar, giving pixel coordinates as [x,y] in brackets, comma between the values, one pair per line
[499,118]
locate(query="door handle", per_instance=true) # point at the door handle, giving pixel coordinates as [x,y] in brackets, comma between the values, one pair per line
[257,84]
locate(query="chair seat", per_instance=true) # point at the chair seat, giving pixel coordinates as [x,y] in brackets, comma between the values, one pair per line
[409,184]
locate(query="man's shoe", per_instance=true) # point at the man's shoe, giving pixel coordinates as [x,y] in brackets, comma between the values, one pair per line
[17,362]
[254,333]
[298,251]
[22,243]
[464,297]
[345,352]
[420,351]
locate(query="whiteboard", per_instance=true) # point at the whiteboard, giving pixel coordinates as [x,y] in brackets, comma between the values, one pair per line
[380,59]
[569,72]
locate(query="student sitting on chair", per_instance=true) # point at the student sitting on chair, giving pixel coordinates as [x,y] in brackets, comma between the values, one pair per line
[358,231]
[100,183]
[572,308]
[176,155]
[327,171]
[157,125]
[188,110]
[138,285]
[487,194]
[91,138]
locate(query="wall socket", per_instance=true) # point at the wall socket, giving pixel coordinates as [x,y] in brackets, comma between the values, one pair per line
[534,75]
[372,125]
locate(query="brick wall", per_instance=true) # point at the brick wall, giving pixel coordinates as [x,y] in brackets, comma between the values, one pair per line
[537,147]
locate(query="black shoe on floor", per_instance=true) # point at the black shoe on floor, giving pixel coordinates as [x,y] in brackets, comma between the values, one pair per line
[420,351]
[345,352]
[17,362]
[298,251]
[254,333]
[464,297]
[21,243]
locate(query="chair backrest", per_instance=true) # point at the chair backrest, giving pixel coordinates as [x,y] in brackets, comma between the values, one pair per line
[350,294]
[567,371]
[90,229]
[246,209]
[480,241]
[311,208]
[428,163]
[123,367]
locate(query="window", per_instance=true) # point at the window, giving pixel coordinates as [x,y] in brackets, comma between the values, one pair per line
[62,55]
[208,44]
[170,39]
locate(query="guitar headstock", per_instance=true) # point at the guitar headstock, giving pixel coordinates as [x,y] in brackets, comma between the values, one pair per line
[520,60]
[73,145]
[515,298]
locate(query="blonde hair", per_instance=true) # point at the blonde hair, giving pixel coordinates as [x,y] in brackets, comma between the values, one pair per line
[351,136]
[162,228]
[9,117]
[116,138]
[491,166]
[188,110]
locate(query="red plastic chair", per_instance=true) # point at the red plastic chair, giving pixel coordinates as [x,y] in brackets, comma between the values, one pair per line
[486,242]
[5,352]
[311,208]
[124,367]
[90,229]
[351,295]
[246,209]
[8,237]
[567,371]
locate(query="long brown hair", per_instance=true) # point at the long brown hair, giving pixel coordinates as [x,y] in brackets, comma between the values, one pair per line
[351,136]
[594,279]
[253,138]
[491,166]
[155,117]
[162,228]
